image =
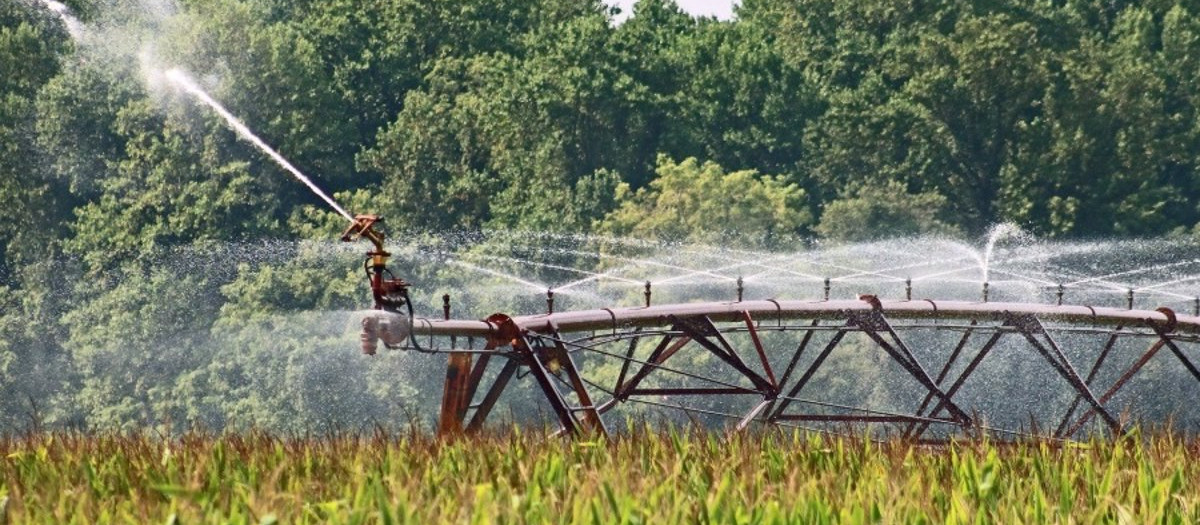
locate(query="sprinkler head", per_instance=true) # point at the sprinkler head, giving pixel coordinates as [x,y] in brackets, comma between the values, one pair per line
[364,226]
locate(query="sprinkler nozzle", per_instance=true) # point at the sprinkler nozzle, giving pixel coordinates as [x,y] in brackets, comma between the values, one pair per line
[364,226]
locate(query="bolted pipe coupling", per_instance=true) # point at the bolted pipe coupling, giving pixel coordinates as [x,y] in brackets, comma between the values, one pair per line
[392,329]
[370,335]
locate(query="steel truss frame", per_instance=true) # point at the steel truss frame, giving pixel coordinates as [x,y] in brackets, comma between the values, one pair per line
[550,347]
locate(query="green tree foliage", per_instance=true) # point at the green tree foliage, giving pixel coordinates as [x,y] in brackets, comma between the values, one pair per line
[1114,150]
[741,104]
[36,374]
[30,200]
[689,201]
[881,211]
[34,209]
[839,118]
[511,141]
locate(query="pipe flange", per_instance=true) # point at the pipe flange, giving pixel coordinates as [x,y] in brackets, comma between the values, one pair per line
[507,332]
[1172,320]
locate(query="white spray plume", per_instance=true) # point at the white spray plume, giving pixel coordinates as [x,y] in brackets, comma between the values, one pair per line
[181,79]
[74,27]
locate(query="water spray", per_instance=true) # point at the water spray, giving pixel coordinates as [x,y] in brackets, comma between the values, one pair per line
[73,25]
[390,292]
[181,79]
[541,346]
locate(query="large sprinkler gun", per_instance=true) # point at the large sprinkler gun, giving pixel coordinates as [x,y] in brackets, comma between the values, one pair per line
[390,292]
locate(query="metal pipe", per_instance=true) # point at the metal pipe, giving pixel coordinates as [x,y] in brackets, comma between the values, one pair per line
[607,319]
[1061,289]
[549,302]
[1129,299]
[826,288]
[985,291]
[740,288]
[647,294]
[908,289]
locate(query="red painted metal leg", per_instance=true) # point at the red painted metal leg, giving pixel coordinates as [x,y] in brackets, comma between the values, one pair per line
[454,394]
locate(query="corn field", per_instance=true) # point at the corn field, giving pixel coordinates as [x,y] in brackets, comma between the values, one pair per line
[645,476]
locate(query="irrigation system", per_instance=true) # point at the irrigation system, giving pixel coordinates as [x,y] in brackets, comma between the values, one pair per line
[953,367]
[757,362]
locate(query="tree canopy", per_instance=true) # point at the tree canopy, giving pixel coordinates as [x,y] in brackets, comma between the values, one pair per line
[837,119]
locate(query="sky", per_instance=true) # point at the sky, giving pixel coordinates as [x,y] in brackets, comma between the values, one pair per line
[722,9]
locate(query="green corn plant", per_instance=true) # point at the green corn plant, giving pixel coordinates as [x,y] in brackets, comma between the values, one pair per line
[642,476]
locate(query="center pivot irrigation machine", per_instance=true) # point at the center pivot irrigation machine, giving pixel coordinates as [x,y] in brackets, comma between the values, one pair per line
[954,367]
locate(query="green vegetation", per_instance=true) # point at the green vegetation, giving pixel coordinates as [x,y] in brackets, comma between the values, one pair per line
[667,477]
[841,119]
[702,204]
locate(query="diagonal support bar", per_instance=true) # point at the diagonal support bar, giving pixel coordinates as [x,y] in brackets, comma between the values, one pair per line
[700,329]
[493,395]
[1116,387]
[1030,327]
[557,402]
[954,355]
[1091,377]
[758,347]
[875,322]
[808,374]
[591,419]
[959,382]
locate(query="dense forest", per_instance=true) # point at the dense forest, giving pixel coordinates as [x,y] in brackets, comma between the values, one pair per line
[838,120]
